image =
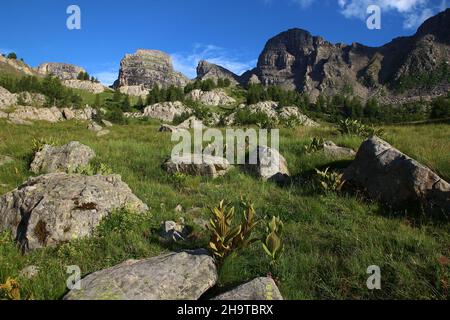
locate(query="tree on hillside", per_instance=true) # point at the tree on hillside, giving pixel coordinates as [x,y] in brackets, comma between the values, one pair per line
[12,56]
[126,104]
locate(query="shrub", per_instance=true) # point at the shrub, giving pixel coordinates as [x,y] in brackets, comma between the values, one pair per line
[12,56]
[227,237]
[330,181]
[122,221]
[315,145]
[355,127]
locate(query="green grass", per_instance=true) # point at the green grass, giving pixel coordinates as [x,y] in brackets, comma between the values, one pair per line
[330,240]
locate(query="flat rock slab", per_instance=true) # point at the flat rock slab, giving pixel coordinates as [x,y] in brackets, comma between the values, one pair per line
[399,181]
[173,276]
[60,159]
[259,289]
[198,165]
[58,207]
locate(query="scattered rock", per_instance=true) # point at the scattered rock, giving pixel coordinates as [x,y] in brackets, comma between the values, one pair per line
[215,97]
[260,289]
[173,276]
[60,159]
[93,126]
[166,111]
[29,272]
[107,123]
[198,165]
[332,150]
[103,133]
[271,165]
[173,231]
[58,207]
[394,178]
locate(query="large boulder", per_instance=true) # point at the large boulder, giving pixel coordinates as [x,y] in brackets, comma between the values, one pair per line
[7,99]
[333,150]
[166,111]
[397,180]
[271,165]
[60,159]
[27,113]
[173,276]
[260,289]
[198,165]
[58,207]
[211,98]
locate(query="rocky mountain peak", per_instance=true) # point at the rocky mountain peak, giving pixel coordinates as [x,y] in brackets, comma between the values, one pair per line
[206,70]
[438,26]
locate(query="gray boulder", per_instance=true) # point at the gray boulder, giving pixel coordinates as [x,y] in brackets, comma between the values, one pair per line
[173,276]
[272,166]
[61,159]
[95,127]
[166,111]
[394,178]
[198,165]
[58,207]
[259,289]
[332,150]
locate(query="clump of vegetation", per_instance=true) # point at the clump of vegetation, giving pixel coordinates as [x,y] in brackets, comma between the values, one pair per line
[84,76]
[91,170]
[315,145]
[10,290]
[39,143]
[207,85]
[355,127]
[122,221]
[272,242]
[330,180]
[226,236]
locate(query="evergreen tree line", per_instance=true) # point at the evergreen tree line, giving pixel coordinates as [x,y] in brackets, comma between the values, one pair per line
[84,76]
[207,85]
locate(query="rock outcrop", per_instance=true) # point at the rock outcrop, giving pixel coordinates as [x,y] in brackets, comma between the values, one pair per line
[54,208]
[166,111]
[206,70]
[149,68]
[15,67]
[85,114]
[7,99]
[198,165]
[62,71]
[173,276]
[397,180]
[92,87]
[137,91]
[260,289]
[26,113]
[211,98]
[61,159]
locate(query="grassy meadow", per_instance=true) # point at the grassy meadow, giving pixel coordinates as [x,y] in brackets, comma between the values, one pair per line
[330,239]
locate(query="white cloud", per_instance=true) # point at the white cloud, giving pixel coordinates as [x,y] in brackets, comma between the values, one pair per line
[414,12]
[186,62]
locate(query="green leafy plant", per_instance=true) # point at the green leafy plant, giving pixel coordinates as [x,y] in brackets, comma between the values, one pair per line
[39,143]
[272,242]
[315,145]
[227,237]
[329,180]
[355,127]
[10,290]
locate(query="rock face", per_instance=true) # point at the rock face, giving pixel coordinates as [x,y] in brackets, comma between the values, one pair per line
[89,86]
[58,207]
[61,159]
[7,99]
[138,91]
[211,98]
[272,166]
[198,165]
[297,60]
[206,70]
[174,276]
[394,178]
[260,289]
[62,71]
[166,111]
[149,68]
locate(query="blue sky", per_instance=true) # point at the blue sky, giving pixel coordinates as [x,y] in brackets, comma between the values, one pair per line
[228,32]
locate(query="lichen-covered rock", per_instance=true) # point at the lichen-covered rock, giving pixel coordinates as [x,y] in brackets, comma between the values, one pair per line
[54,208]
[260,289]
[198,165]
[394,178]
[62,71]
[166,111]
[149,68]
[211,98]
[173,276]
[60,159]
